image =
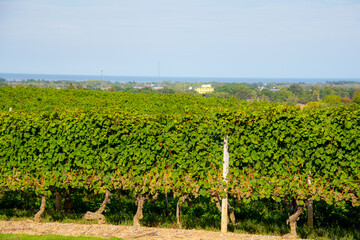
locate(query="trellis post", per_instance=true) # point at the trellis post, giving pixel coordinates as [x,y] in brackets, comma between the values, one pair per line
[224,202]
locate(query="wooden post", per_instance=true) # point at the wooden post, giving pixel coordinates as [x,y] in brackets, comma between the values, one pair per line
[224,202]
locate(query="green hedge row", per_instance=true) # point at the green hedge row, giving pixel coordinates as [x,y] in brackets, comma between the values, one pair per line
[275,151]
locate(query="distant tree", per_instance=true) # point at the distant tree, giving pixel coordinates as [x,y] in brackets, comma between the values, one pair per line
[264,98]
[118,87]
[128,89]
[3,82]
[296,89]
[244,95]
[347,100]
[92,86]
[352,91]
[283,95]
[236,90]
[292,99]
[267,95]
[327,91]
[222,95]
[342,92]
[316,95]
[166,90]
[356,98]
[333,100]
[192,92]
[79,86]
[71,86]
[142,90]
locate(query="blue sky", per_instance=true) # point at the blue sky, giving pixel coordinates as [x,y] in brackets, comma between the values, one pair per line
[197,38]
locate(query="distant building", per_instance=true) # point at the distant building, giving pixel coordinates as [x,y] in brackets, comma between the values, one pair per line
[157,88]
[274,89]
[206,88]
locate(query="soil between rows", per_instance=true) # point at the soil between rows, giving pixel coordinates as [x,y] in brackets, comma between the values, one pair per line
[125,232]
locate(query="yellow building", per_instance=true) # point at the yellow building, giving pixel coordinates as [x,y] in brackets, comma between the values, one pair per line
[206,88]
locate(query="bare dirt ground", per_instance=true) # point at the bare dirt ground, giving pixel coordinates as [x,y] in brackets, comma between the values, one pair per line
[125,232]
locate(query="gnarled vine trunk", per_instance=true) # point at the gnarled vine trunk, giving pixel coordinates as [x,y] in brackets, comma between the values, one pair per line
[140,199]
[98,214]
[178,214]
[293,220]
[310,214]
[167,205]
[119,201]
[25,199]
[41,211]
[178,209]
[231,214]
[295,212]
[230,209]
[68,202]
[58,201]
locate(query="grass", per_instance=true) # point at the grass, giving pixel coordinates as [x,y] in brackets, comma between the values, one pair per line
[11,236]
[263,217]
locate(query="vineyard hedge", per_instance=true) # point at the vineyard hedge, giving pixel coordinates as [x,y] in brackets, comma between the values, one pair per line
[175,145]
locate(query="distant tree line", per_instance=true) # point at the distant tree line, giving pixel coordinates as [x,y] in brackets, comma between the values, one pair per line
[293,93]
[331,93]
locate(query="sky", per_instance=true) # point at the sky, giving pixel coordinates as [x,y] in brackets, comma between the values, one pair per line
[182,38]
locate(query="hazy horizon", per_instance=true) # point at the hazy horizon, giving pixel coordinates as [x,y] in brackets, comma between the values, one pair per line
[121,78]
[156,76]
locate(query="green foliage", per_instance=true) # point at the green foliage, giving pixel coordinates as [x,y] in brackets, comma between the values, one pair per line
[296,89]
[333,100]
[152,143]
[356,98]
[51,100]
[238,91]
[315,105]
